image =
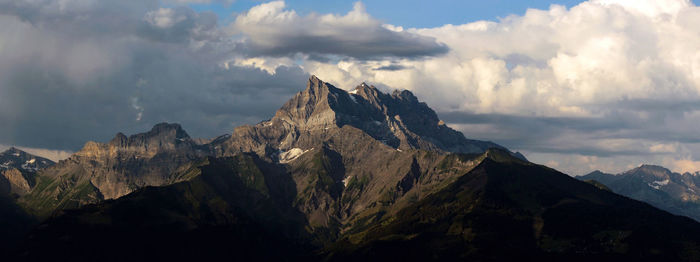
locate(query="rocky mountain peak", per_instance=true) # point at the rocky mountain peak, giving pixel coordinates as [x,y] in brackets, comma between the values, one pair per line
[162,137]
[13,150]
[311,108]
[125,163]
[119,140]
[168,130]
[14,158]
[650,172]
[397,119]
[405,95]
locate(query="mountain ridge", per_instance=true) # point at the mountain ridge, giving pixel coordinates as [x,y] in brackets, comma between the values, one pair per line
[497,208]
[18,170]
[110,170]
[674,192]
[399,120]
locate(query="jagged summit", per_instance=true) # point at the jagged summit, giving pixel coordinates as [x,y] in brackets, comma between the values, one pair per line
[649,172]
[17,171]
[23,161]
[161,137]
[398,119]
[118,167]
[650,167]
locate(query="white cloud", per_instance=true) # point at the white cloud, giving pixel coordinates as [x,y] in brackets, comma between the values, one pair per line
[651,8]
[683,165]
[556,62]
[269,29]
[634,65]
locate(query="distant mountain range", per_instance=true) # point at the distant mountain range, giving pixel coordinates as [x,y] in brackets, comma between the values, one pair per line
[334,175]
[18,171]
[674,192]
[17,177]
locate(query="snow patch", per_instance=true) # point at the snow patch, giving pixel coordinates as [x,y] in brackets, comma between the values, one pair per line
[291,154]
[399,150]
[31,161]
[377,122]
[658,184]
[354,92]
[28,166]
[15,154]
[346,181]
[662,183]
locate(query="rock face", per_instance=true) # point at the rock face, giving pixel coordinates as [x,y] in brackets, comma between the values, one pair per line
[673,192]
[17,171]
[398,120]
[110,170]
[354,154]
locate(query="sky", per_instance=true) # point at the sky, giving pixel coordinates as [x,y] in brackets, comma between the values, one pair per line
[575,85]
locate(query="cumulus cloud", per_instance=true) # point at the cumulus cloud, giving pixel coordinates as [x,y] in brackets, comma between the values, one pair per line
[684,165]
[604,78]
[271,30]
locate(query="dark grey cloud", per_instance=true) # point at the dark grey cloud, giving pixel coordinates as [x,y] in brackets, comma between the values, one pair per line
[392,67]
[270,30]
[629,121]
[78,70]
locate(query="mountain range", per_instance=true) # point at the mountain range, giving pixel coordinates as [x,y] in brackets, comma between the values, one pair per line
[674,192]
[18,169]
[334,175]
[17,177]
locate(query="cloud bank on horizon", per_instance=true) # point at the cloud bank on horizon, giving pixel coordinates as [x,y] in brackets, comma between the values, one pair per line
[606,84]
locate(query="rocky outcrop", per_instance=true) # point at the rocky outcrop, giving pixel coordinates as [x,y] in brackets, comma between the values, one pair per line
[15,182]
[110,170]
